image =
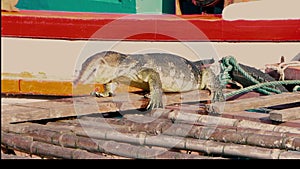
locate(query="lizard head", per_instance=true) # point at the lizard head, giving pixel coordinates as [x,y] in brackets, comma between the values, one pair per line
[100,67]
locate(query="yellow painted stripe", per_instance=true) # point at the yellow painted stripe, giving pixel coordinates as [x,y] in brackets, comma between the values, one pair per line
[54,88]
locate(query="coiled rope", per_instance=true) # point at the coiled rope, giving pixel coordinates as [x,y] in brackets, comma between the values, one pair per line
[229,63]
[273,83]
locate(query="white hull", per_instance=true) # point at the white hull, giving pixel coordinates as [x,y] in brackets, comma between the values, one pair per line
[58,59]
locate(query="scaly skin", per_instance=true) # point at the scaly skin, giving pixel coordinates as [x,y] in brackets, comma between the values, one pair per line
[153,72]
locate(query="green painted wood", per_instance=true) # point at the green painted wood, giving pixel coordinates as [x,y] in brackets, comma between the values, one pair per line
[155,6]
[106,6]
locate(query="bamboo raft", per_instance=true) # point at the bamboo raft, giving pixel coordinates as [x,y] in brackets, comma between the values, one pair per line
[251,126]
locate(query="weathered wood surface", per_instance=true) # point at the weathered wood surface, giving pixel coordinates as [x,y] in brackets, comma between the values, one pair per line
[285,115]
[27,144]
[115,127]
[79,139]
[11,156]
[291,123]
[257,102]
[239,135]
[93,139]
[127,101]
[215,120]
[87,105]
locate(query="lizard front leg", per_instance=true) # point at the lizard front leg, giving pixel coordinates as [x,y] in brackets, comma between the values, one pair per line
[152,78]
[109,89]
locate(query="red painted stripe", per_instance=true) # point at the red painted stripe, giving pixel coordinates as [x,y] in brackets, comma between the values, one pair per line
[102,26]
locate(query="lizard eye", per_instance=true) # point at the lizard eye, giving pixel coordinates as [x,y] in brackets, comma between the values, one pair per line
[102,61]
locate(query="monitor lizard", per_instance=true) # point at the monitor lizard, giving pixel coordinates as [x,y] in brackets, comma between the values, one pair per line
[152,72]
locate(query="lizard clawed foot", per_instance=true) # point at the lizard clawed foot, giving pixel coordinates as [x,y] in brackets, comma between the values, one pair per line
[155,101]
[154,105]
[218,96]
[215,109]
[99,94]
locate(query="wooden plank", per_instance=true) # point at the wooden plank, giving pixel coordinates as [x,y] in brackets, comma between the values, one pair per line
[75,106]
[244,115]
[19,84]
[10,86]
[291,123]
[13,113]
[45,87]
[285,114]
[67,107]
[55,109]
[244,95]
[292,72]
[257,102]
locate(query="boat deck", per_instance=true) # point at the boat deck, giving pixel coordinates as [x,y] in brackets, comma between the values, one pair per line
[251,126]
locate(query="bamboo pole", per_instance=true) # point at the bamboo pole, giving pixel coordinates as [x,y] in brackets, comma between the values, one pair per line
[178,116]
[211,147]
[181,143]
[248,136]
[147,120]
[132,123]
[97,145]
[166,141]
[11,156]
[26,144]
[256,137]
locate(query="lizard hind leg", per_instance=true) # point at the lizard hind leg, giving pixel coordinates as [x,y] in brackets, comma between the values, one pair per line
[211,82]
[109,89]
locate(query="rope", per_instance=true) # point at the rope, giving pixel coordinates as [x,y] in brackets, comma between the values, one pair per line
[296,88]
[229,63]
[250,88]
